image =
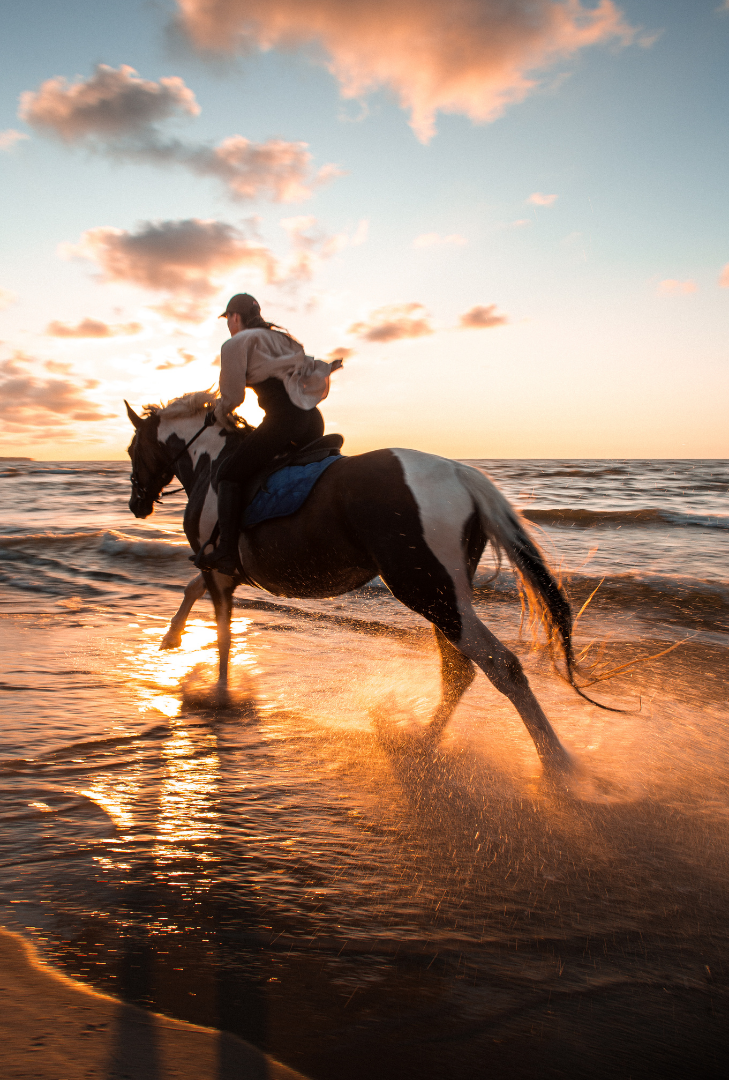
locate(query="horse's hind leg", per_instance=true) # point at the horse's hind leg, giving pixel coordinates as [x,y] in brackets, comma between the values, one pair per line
[457,674]
[444,597]
[193,592]
[507,675]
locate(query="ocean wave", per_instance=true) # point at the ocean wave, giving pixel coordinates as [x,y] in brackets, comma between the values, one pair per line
[118,543]
[695,597]
[643,516]
[110,542]
[43,539]
[68,468]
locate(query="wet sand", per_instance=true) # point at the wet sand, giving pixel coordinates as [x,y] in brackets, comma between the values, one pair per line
[53,1028]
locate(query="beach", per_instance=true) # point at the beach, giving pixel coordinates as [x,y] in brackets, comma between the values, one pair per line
[292,870]
[54,1027]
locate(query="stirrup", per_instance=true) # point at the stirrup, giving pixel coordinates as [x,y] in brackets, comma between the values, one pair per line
[224,562]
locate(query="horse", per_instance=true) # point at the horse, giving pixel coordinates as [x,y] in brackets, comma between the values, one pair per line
[418,521]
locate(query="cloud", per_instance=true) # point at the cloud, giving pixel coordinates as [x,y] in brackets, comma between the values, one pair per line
[471,57]
[724,276]
[393,323]
[310,244]
[10,138]
[92,328]
[184,259]
[672,287]
[481,318]
[187,358]
[116,113]
[29,403]
[434,239]
[341,353]
[538,199]
[281,170]
[7,298]
[111,104]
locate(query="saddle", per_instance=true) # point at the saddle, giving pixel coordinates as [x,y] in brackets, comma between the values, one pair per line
[318,450]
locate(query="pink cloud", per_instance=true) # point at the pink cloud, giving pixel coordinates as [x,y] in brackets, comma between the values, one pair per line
[393,323]
[187,260]
[116,113]
[182,258]
[92,328]
[538,199]
[309,244]
[30,403]
[672,287]
[10,138]
[185,359]
[481,318]
[724,276]
[281,170]
[473,59]
[111,103]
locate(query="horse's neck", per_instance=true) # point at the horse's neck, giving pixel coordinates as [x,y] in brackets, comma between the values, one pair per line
[175,434]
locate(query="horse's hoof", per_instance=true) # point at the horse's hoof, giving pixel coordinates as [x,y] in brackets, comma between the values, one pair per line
[171,641]
[558,764]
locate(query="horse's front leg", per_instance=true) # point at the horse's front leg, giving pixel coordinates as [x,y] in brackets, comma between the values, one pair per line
[194,591]
[221,589]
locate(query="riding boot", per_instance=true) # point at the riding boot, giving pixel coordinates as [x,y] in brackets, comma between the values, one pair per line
[224,558]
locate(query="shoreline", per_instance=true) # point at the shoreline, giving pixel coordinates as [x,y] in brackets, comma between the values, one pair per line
[55,1028]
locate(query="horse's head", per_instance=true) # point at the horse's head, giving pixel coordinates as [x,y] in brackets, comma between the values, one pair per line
[150,462]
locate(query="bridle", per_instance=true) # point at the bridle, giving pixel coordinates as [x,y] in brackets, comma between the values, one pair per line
[139,491]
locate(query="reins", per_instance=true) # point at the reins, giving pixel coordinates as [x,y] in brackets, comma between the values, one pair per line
[141,491]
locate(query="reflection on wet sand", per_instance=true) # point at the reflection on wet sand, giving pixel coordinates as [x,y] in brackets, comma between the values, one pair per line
[360,905]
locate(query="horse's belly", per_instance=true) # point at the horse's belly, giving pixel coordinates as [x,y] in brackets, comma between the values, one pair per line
[296,586]
[286,563]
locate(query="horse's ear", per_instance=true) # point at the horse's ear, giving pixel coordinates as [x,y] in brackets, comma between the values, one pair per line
[136,420]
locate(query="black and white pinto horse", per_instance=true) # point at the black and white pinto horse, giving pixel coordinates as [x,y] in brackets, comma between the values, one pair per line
[418,521]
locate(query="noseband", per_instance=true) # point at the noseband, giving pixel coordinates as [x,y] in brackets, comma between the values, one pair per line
[139,491]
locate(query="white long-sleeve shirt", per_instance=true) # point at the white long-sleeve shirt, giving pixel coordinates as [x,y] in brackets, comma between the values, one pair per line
[252,356]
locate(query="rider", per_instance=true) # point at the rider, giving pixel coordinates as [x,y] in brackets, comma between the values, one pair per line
[289,385]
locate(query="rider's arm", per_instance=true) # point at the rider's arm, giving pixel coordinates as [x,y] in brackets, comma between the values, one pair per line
[234,356]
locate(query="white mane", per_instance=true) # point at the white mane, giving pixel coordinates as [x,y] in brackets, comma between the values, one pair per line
[185,405]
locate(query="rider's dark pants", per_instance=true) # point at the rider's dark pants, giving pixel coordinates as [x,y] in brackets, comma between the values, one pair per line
[284,427]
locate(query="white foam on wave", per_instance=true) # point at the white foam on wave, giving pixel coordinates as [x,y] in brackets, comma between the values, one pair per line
[119,543]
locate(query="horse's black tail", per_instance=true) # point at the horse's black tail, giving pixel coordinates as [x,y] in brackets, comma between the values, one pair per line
[544,595]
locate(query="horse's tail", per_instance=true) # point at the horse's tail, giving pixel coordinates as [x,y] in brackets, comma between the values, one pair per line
[507,533]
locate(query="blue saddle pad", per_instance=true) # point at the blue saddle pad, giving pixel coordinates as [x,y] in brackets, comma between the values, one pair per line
[285,491]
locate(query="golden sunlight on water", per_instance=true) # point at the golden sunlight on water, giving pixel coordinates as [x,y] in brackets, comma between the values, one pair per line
[163,671]
[188,792]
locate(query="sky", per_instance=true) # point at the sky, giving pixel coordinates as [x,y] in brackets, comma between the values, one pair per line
[509,216]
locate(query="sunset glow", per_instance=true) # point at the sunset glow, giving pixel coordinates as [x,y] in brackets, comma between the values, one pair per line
[507,217]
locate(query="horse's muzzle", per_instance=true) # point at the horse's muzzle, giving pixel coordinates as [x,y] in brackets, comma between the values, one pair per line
[141,508]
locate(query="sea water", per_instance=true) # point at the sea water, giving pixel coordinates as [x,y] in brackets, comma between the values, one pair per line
[294,869]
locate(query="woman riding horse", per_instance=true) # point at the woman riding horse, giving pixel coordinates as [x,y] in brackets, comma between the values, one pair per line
[289,385]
